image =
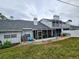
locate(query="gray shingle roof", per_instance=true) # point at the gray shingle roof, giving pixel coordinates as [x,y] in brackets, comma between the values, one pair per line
[19,25]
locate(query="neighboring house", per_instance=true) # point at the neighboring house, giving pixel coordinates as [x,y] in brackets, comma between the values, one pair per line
[18,31]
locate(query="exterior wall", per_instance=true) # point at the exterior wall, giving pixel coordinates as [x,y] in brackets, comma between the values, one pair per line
[74,33]
[60,25]
[65,25]
[55,25]
[2,37]
[18,39]
[47,23]
[52,32]
[13,40]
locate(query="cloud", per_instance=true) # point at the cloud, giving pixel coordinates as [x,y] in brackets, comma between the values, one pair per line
[27,9]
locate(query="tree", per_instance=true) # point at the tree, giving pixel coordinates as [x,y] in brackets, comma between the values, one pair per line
[11,17]
[68,21]
[2,17]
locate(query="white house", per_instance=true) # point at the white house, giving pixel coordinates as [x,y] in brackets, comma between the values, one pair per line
[18,31]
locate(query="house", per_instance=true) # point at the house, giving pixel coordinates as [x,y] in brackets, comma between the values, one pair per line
[18,31]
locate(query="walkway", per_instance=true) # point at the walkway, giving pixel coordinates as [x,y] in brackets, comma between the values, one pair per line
[44,41]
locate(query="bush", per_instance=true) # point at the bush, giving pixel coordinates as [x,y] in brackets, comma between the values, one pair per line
[0,46]
[7,44]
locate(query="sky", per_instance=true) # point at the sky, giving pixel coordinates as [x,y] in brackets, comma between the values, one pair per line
[28,9]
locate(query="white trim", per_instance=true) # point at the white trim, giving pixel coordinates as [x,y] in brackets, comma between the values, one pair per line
[26,28]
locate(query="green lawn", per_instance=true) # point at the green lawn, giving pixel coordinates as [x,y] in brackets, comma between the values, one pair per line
[66,49]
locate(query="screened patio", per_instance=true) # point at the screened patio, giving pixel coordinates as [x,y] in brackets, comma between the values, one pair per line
[39,34]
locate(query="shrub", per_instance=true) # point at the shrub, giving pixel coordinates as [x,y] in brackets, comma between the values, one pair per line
[7,44]
[0,46]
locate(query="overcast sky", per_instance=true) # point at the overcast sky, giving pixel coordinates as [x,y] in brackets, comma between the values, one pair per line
[27,9]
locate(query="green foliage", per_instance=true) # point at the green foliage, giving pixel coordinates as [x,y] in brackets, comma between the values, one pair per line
[3,17]
[0,46]
[7,44]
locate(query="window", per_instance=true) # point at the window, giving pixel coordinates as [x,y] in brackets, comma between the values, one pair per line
[6,36]
[13,35]
[10,36]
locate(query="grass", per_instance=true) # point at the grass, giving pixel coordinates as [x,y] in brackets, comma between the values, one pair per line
[65,49]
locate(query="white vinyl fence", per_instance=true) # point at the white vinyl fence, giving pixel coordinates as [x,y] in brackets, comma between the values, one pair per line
[73,33]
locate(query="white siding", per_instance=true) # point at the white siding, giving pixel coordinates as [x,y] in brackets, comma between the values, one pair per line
[13,40]
[52,32]
[65,25]
[18,39]
[51,25]
[60,25]
[74,33]
[2,38]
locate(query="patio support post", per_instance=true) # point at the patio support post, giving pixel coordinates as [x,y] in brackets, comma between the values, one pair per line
[37,34]
[47,33]
[41,34]
[52,32]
